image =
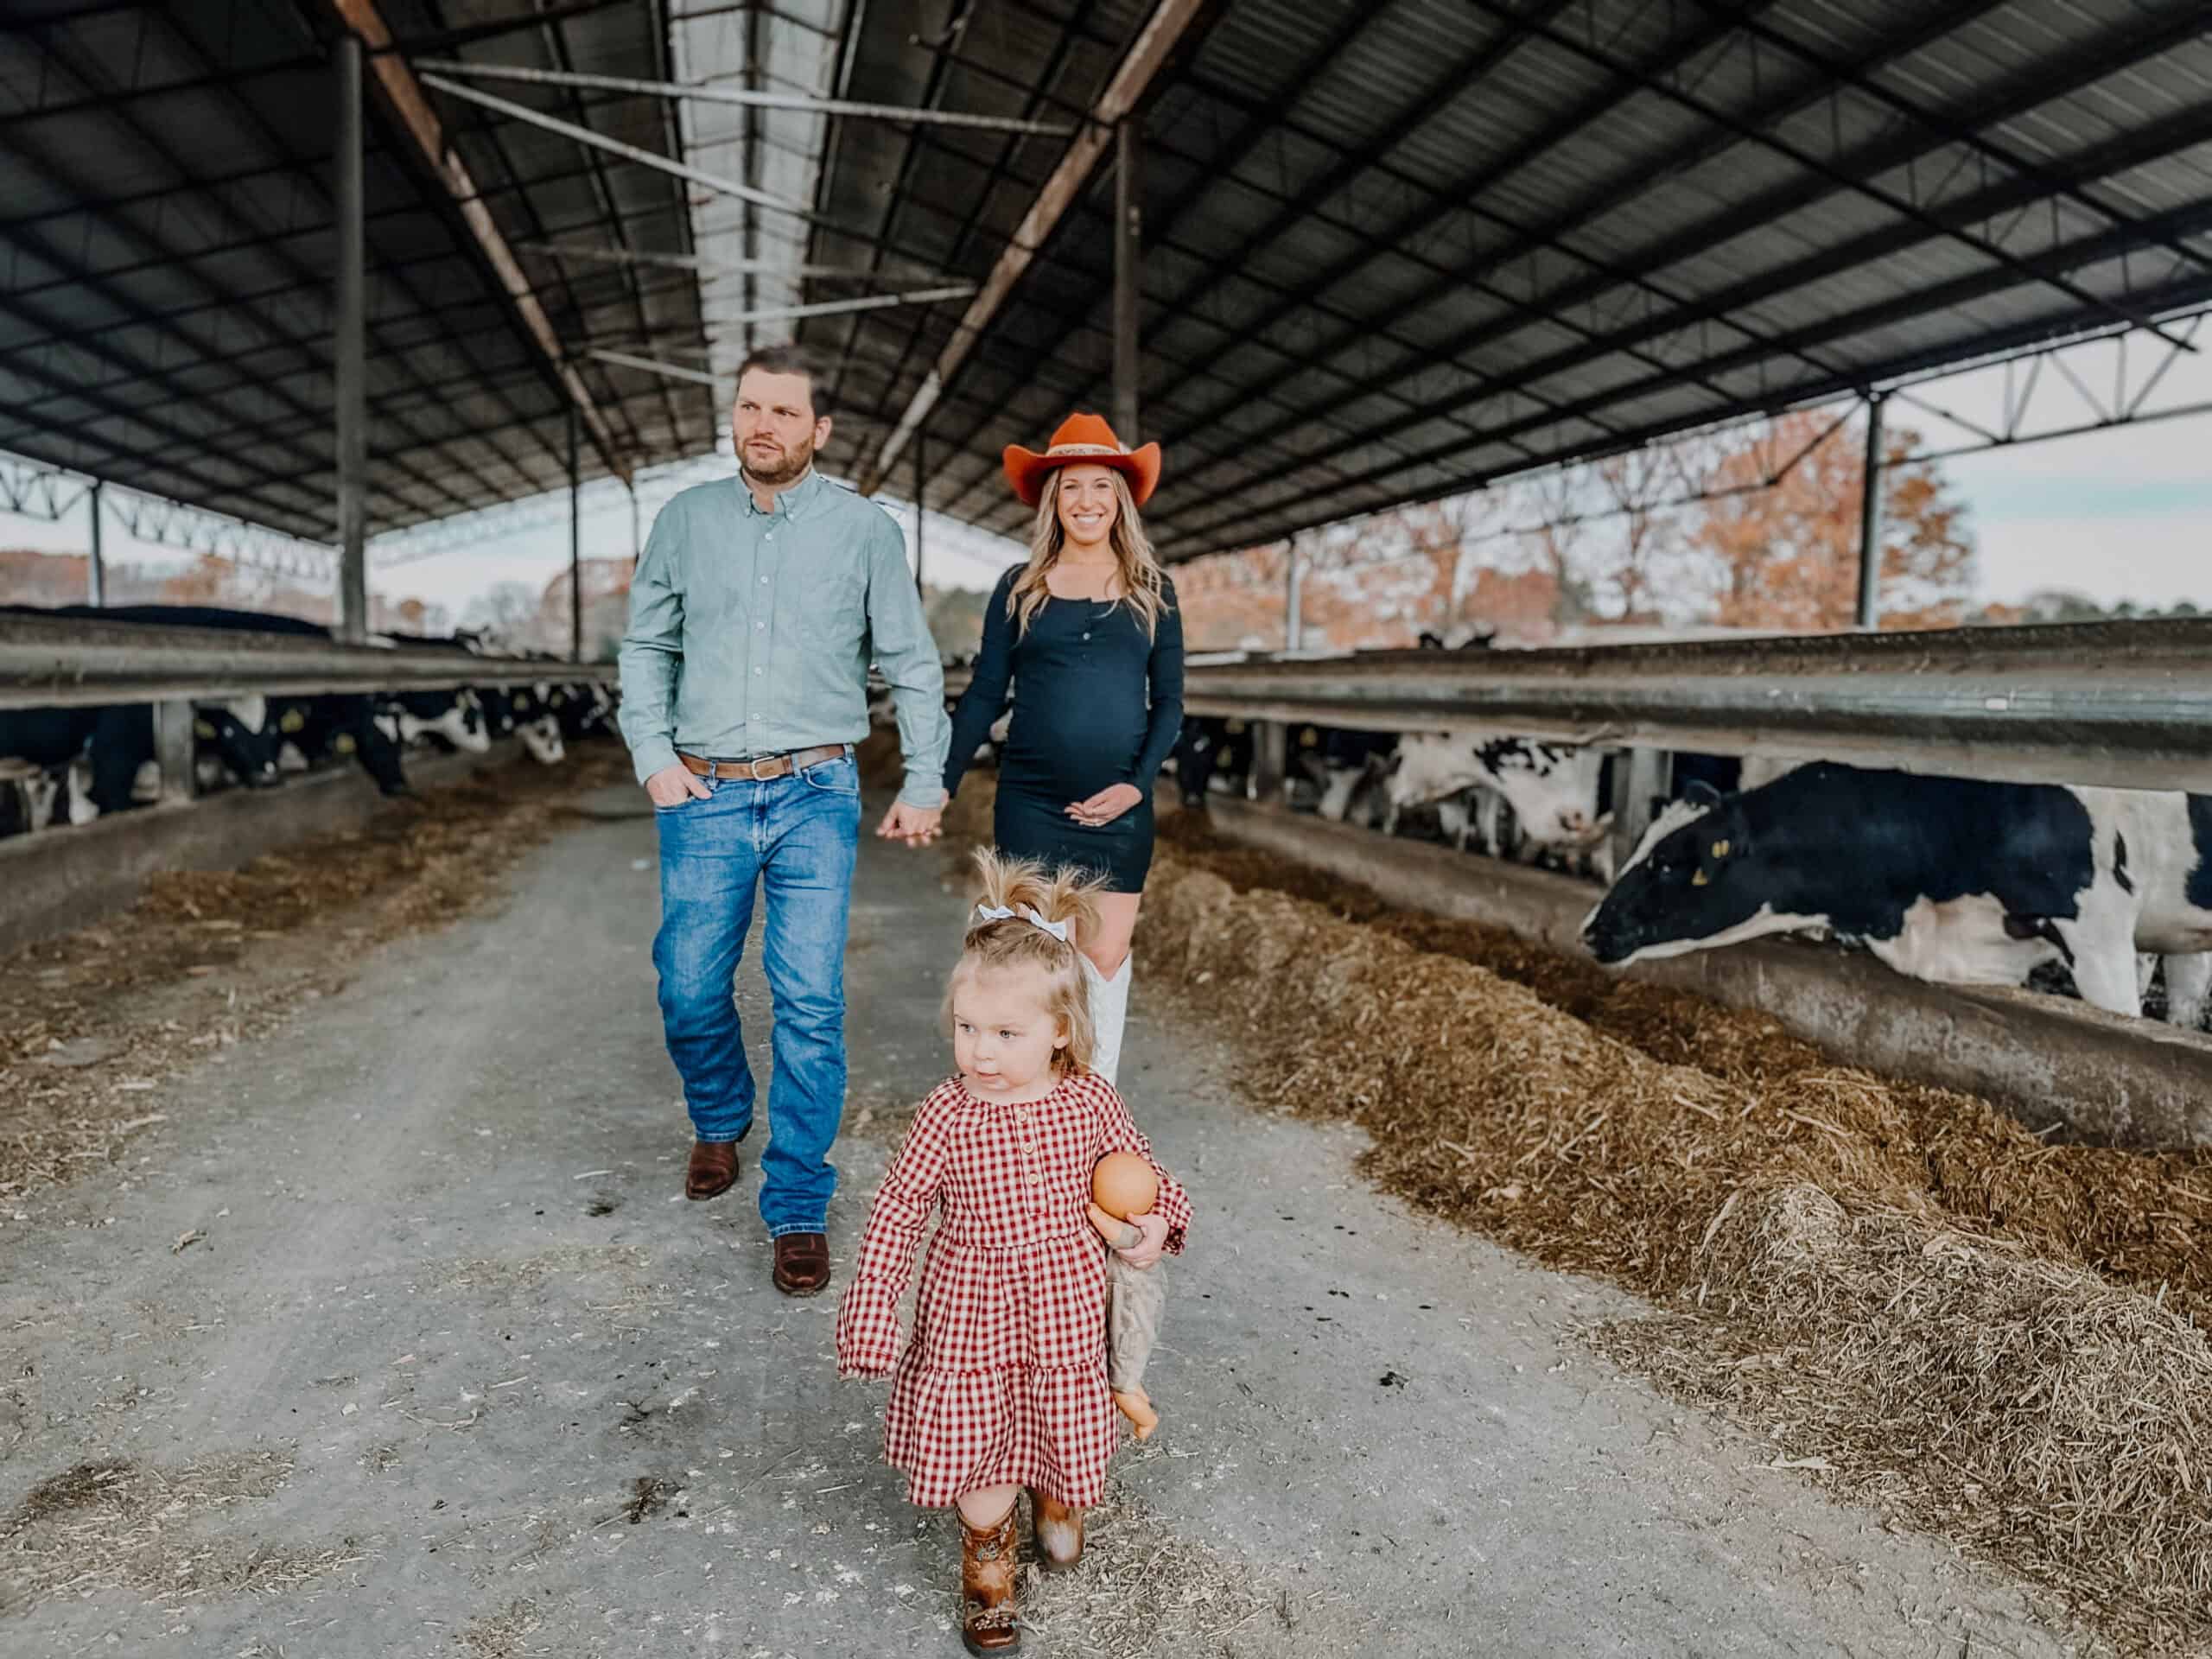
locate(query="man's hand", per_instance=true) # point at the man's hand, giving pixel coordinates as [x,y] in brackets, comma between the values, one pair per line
[1108,804]
[915,825]
[1146,1251]
[673,785]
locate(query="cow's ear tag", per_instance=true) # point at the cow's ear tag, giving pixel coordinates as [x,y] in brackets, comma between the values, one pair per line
[1308,738]
[1700,880]
[1720,850]
[203,729]
[345,743]
[292,722]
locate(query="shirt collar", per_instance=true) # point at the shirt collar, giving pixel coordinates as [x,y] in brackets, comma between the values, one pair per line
[794,501]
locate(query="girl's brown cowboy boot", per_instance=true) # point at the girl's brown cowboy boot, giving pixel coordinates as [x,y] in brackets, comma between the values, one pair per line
[988,1623]
[1059,1529]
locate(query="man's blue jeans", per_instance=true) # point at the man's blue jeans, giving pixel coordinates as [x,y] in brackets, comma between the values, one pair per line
[797,837]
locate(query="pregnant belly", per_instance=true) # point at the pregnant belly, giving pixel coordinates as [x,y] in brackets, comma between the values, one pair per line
[1076,748]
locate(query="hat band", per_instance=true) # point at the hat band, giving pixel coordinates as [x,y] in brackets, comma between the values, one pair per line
[1085,449]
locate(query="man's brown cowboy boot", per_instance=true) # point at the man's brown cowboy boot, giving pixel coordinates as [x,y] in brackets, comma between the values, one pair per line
[1059,1531]
[988,1623]
[713,1169]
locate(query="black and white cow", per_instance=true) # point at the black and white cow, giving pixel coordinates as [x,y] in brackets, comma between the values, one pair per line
[1554,789]
[1946,880]
[1212,752]
[1343,765]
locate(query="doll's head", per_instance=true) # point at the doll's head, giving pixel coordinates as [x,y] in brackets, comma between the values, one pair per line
[1018,1004]
[1123,1185]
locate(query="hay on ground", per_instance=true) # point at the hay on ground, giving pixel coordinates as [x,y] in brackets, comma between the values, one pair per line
[1493,1107]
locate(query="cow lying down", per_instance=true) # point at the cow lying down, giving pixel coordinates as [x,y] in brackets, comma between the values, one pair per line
[1946,880]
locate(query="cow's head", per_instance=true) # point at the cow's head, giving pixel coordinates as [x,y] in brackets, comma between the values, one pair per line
[1699,879]
[1553,788]
[542,737]
[460,723]
[241,737]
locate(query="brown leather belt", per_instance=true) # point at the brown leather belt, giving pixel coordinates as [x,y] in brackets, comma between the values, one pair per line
[766,766]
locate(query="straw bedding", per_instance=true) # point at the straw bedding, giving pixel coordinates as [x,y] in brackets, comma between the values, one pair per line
[1994,1336]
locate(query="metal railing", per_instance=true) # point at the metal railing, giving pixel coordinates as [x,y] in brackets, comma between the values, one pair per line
[2119,704]
[50,661]
[2123,704]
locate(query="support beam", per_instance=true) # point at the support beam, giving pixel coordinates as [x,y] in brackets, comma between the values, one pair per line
[419,124]
[1870,520]
[576,546]
[351,352]
[764,100]
[1128,268]
[594,140]
[672,371]
[1293,616]
[97,592]
[921,482]
[172,749]
[1155,44]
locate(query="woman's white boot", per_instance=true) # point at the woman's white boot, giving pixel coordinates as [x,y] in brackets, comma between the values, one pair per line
[1110,1012]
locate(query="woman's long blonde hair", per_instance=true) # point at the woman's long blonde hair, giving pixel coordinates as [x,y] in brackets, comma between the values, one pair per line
[1012,943]
[1136,567]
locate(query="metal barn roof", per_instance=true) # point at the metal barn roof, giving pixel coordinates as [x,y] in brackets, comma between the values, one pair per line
[1393,249]
[1396,249]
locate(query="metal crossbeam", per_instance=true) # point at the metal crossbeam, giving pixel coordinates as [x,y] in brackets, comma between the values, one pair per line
[709,94]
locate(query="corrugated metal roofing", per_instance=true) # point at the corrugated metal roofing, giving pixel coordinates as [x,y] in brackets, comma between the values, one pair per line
[1394,248]
[1403,248]
[168,229]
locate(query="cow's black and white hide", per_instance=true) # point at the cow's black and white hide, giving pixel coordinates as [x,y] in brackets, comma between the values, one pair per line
[1946,880]
[1553,789]
[1212,753]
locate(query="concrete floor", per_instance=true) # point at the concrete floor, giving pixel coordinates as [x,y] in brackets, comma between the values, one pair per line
[449,1310]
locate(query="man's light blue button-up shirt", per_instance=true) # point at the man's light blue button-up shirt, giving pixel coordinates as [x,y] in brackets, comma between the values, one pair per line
[751,632]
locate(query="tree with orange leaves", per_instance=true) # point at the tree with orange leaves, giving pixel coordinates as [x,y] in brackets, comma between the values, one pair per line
[1785,557]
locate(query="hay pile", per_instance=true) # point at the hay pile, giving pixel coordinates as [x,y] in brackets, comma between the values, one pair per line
[2144,1218]
[1955,1275]
[2028,1410]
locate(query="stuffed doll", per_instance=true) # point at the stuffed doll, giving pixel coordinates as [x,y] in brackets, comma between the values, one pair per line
[1123,1186]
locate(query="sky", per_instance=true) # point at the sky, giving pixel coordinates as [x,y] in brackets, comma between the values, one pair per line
[2124,513]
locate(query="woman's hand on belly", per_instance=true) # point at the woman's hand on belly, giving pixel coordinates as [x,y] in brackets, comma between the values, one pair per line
[1108,804]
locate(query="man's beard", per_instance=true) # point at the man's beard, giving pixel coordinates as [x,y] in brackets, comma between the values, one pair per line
[778,473]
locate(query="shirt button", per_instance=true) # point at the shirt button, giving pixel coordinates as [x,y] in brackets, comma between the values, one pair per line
[1034,1177]
[764,581]
[760,624]
[1086,633]
[756,671]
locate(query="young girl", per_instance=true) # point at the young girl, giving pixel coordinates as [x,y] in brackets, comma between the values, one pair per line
[1003,1384]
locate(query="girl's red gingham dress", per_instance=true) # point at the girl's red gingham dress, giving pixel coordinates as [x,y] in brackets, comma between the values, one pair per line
[1004,1380]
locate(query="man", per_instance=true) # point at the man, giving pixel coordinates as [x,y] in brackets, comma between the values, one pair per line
[757,606]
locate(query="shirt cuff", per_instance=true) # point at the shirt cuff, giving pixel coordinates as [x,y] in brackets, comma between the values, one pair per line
[928,799]
[654,754]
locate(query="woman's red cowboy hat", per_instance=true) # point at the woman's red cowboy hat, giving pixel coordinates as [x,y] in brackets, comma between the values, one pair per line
[1083,440]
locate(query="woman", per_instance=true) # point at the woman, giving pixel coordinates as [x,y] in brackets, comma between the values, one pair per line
[1088,635]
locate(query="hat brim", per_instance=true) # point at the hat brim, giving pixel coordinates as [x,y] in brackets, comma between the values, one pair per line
[1026,470]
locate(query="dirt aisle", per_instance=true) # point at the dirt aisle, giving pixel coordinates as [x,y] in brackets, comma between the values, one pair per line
[451,1367]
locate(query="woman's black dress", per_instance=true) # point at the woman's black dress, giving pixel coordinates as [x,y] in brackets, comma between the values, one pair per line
[1094,702]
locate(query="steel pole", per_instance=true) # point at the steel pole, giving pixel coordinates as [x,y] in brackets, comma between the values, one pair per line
[97,570]
[351,352]
[1129,253]
[1870,520]
[576,545]
[920,435]
[1293,615]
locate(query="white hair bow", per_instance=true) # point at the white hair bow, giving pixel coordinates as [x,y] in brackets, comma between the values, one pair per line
[1000,914]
